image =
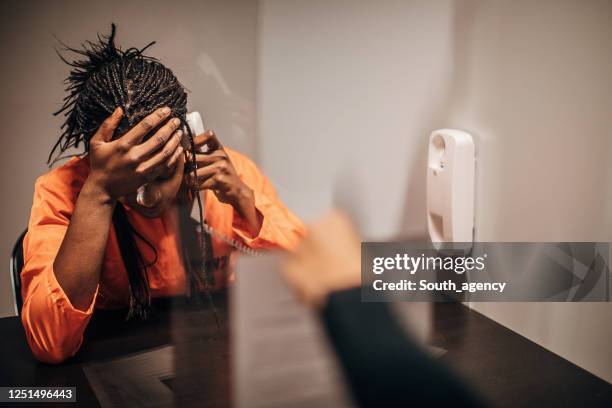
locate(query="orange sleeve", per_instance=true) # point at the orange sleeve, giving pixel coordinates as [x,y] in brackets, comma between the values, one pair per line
[280,228]
[54,328]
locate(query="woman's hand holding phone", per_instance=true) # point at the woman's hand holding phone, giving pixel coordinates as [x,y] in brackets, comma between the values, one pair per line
[214,171]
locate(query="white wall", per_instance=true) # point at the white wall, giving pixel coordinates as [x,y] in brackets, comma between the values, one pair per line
[210,45]
[348,92]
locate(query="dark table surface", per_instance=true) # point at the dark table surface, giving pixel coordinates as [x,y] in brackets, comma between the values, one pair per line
[506,368]
[191,329]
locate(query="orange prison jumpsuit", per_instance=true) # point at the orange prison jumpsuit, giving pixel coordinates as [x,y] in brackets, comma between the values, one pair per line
[54,328]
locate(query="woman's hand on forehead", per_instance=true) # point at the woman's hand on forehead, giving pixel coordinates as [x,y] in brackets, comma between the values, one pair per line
[120,166]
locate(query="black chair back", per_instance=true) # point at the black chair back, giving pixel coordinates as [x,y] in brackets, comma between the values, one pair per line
[16,266]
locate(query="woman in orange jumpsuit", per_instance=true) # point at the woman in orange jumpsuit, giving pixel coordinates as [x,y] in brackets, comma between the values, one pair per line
[98,239]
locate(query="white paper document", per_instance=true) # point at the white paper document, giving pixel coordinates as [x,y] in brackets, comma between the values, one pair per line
[280,354]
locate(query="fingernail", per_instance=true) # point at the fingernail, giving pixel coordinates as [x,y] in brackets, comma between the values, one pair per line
[165,110]
[179,133]
[176,121]
[117,111]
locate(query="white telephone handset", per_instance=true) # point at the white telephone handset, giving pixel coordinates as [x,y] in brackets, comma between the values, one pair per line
[194,120]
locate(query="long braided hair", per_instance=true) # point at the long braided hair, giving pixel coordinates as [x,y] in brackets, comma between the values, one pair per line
[103,77]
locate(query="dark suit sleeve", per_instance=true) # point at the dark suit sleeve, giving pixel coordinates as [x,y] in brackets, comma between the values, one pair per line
[383,365]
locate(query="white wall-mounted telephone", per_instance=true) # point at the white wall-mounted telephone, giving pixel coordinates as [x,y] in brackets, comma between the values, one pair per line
[450,186]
